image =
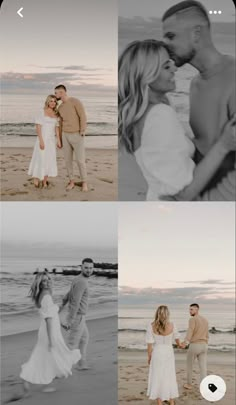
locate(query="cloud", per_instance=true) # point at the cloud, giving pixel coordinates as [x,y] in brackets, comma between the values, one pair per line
[183,295]
[17,82]
[81,68]
[209,281]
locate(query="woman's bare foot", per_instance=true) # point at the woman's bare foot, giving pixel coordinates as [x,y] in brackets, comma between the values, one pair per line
[159,402]
[84,187]
[45,184]
[26,389]
[36,183]
[70,186]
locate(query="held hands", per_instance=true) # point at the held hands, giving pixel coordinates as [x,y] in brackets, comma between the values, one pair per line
[149,359]
[228,137]
[182,345]
[59,145]
[65,326]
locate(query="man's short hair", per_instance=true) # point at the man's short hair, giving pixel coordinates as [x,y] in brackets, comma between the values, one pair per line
[87,260]
[194,305]
[184,6]
[60,86]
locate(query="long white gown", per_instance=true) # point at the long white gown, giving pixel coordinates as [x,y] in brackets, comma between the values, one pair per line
[165,154]
[44,365]
[44,162]
[162,381]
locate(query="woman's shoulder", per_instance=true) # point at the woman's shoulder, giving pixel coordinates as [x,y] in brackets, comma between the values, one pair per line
[161,113]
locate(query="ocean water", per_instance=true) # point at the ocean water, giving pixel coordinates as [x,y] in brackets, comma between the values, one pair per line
[18,313]
[18,112]
[133,321]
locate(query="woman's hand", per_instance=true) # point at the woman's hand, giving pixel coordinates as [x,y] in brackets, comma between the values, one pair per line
[228,137]
[149,359]
[41,145]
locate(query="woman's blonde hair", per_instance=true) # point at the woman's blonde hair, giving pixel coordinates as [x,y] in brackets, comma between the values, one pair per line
[161,319]
[47,101]
[36,286]
[139,66]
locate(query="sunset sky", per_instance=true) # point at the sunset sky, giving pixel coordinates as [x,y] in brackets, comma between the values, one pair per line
[73,42]
[58,226]
[177,250]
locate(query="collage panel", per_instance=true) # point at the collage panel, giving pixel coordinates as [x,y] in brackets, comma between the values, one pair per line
[59,100]
[176,100]
[176,303]
[59,303]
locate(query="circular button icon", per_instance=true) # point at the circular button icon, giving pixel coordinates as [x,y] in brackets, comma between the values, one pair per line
[213,388]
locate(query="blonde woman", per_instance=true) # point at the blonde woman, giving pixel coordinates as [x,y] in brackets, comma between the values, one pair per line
[150,129]
[51,357]
[162,384]
[43,163]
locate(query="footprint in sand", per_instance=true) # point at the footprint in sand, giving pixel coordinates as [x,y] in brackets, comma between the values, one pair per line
[105,180]
[18,192]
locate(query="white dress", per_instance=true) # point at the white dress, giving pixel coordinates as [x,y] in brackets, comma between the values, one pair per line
[44,365]
[165,153]
[43,162]
[162,381]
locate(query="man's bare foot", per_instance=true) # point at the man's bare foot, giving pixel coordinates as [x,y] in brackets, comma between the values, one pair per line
[82,366]
[171,402]
[70,186]
[84,187]
[188,386]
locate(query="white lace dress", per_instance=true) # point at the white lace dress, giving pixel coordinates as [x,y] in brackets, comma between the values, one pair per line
[162,381]
[44,162]
[44,365]
[165,154]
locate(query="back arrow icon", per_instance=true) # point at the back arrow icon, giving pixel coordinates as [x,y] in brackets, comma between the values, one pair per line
[19,12]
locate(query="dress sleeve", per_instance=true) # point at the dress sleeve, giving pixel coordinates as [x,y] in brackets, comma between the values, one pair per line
[47,307]
[149,334]
[165,150]
[39,119]
[176,333]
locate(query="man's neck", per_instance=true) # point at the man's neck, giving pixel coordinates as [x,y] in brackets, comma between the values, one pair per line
[64,99]
[208,61]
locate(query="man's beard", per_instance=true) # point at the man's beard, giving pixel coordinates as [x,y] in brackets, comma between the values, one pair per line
[86,275]
[182,60]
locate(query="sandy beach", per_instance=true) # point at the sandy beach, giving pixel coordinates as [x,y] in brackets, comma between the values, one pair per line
[16,185]
[133,373]
[97,385]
